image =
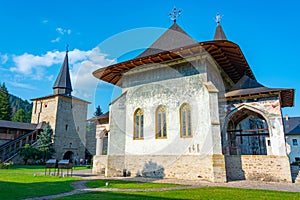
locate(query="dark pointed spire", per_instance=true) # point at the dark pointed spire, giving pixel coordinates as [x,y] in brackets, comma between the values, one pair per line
[63,84]
[219,34]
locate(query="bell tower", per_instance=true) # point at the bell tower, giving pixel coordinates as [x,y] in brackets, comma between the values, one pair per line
[65,114]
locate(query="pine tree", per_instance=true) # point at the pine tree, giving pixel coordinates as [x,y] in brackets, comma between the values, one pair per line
[44,142]
[98,111]
[20,116]
[5,108]
[28,116]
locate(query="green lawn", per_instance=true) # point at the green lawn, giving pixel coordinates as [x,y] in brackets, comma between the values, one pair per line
[22,182]
[33,169]
[127,184]
[201,193]
[15,185]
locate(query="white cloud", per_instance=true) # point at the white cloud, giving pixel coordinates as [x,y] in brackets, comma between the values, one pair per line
[3,58]
[82,65]
[55,40]
[21,85]
[34,68]
[26,63]
[45,21]
[63,31]
[84,83]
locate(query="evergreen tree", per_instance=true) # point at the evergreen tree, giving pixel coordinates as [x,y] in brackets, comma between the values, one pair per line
[44,142]
[98,111]
[5,108]
[28,152]
[28,116]
[20,116]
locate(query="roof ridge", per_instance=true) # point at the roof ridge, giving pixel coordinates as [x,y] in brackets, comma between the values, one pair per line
[174,37]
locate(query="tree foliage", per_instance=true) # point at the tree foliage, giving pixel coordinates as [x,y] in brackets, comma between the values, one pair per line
[29,152]
[45,142]
[5,108]
[19,116]
[98,111]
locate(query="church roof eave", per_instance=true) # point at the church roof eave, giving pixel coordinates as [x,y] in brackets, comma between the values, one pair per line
[226,53]
[247,87]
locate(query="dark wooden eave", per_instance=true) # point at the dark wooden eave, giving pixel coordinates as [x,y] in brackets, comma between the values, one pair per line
[286,95]
[227,54]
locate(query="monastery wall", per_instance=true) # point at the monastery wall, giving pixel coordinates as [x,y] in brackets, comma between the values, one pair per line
[258,168]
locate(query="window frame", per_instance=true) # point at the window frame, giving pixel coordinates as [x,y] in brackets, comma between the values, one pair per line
[187,125]
[295,142]
[140,114]
[161,115]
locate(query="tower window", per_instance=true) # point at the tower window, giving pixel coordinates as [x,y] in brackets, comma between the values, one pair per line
[295,142]
[66,127]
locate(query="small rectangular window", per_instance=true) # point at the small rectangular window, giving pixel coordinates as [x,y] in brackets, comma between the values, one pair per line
[269,142]
[295,142]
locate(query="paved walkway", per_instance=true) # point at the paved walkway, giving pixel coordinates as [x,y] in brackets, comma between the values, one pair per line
[80,187]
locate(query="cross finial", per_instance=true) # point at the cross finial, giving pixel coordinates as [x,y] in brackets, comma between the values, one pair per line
[67,48]
[218,18]
[175,14]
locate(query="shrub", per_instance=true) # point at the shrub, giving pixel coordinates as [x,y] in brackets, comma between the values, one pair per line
[7,165]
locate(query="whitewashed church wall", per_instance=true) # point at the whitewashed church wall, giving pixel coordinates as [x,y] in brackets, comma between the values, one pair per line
[157,73]
[214,75]
[116,136]
[172,94]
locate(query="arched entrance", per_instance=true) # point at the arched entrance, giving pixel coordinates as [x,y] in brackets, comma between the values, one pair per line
[246,133]
[68,155]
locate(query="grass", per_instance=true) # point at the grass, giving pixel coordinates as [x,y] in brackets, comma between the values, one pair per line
[127,184]
[19,186]
[34,168]
[200,193]
[19,182]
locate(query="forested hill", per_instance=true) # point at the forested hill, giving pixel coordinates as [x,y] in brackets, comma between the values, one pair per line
[17,103]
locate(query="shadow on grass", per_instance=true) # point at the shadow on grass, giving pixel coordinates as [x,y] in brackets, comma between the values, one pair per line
[130,184]
[112,195]
[13,190]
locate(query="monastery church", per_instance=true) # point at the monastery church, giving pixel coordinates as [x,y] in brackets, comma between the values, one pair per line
[191,110]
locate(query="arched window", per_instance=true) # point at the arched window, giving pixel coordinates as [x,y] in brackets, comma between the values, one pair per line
[185,121]
[161,122]
[138,124]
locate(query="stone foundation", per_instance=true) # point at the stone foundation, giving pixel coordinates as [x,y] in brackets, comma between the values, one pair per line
[258,168]
[189,167]
[99,164]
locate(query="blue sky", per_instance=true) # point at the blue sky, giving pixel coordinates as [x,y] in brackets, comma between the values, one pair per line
[34,35]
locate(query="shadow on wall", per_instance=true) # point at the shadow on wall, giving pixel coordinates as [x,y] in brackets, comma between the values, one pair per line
[234,168]
[152,170]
